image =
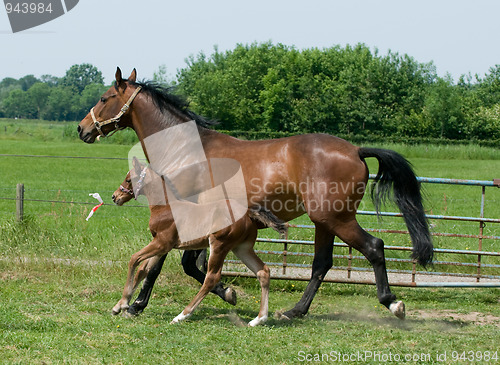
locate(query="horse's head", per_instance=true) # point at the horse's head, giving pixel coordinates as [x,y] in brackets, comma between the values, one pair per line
[110,112]
[125,192]
[134,183]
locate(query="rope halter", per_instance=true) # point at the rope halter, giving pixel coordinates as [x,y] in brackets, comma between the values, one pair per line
[116,118]
[127,191]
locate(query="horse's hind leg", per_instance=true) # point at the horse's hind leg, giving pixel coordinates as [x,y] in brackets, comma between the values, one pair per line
[322,262]
[373,249]
[189,265]
[247,255]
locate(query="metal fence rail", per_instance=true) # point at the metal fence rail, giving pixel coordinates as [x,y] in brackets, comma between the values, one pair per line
[349,268]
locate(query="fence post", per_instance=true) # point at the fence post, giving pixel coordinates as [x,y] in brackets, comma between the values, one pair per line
[481,227]
[285,251]
[19,202]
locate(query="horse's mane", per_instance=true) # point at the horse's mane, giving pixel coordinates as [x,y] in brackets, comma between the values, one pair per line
[163,97]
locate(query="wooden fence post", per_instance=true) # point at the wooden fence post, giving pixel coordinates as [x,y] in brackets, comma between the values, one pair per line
[19,202]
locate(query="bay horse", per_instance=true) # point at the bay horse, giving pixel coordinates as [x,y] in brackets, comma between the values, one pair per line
[239,237]
[320,175]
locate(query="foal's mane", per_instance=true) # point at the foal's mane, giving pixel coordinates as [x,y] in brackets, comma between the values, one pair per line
[163,97]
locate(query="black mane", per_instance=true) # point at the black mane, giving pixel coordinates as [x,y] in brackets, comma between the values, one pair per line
[163,97]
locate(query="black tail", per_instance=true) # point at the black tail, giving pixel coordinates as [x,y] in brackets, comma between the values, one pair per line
[269,220]
[396,172]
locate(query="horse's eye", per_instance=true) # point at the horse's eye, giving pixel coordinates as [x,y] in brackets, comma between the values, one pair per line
[128,181]
[103,99]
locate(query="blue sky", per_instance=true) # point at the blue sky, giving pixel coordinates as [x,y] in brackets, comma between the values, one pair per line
[458,36]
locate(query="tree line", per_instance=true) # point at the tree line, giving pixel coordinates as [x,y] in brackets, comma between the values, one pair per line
[265,87]
[52,98]
[340,90]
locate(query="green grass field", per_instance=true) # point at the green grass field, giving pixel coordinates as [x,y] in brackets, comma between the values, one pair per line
[60,275]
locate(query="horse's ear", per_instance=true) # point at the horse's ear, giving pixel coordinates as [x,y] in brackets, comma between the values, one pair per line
[118,76]
[133,76]
[137,165]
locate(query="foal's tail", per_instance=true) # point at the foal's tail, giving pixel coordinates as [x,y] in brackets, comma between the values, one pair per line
[269,220]
[396,172]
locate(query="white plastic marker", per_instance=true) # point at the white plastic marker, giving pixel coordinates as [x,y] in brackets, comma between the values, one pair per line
[98,197]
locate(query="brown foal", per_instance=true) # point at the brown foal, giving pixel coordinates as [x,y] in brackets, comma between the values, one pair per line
[190,258]
[238,237]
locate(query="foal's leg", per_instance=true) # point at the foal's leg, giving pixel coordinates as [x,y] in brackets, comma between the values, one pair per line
[373,249]
[153,270]
[189,265]
[154,248]
[143,270]
[169,237]
[247,255]
[217,255]
[323,249]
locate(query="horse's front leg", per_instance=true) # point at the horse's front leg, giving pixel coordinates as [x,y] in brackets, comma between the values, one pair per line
[143,270]
[322,262]
[217,255]
[168,236]
[154,248]
[153,271]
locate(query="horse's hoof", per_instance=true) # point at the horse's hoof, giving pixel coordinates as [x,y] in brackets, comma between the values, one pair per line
[279,315]
[398,309]
[133,311]
[230,296]
[257,320]
[179,318]
[127,314]
[118,308]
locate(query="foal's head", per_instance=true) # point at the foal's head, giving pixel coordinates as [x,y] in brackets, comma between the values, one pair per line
[107,116]
[125,192]
[133,185]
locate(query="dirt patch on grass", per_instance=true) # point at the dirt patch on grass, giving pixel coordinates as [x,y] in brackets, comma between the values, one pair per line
[13,275]
[476,318]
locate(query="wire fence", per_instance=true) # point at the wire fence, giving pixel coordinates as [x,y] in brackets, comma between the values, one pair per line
[69,157]
[478,267]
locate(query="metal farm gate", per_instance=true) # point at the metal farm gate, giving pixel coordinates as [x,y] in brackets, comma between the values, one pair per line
[476,263]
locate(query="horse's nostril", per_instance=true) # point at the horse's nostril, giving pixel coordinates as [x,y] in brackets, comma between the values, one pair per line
[113,197]
[79,129]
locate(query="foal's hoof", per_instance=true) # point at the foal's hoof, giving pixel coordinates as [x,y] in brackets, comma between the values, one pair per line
[257,320]
[398,309]
[230,296]
[181,317]
[118,308]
